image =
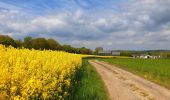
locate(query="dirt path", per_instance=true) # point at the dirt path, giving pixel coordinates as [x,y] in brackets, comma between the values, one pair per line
[123,85]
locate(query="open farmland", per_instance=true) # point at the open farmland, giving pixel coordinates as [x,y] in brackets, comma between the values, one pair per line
[156,70]
[32,74]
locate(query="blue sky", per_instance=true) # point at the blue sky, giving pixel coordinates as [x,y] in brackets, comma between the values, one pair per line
[41,6]
[112,24]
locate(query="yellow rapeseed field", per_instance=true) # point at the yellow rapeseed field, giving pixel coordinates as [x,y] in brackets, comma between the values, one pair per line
[33,74]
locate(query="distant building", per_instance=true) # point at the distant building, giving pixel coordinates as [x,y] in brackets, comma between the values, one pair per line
[145,56]
[109,53]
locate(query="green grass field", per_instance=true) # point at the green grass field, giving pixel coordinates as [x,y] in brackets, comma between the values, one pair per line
[91,86]
[156,70]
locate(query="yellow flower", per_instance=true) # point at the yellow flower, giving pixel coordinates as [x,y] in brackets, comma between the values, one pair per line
[13,89]
[34,73]
[45,95]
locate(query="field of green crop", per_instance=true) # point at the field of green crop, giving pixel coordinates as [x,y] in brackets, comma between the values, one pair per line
[156,70]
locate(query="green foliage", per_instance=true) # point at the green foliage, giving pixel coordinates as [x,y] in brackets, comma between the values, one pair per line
[157,70]
[97,49]
[18,43]
[27,42]
[7,41]
[68,48]
[54,45]
[87,88]
[40,43]
[84,50]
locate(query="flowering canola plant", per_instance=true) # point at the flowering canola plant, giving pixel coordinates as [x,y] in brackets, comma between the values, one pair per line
[33,74]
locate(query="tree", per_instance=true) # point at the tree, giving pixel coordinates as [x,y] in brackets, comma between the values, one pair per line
[40,43]
[18,43]
[27,42]
[84,50]
[77,50]
[97,49]
[54,45]
[68,48]
[7,41]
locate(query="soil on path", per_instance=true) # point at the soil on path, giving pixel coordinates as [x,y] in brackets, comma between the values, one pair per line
[123,85]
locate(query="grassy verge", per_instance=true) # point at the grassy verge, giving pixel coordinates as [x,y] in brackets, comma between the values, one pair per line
[91,86]
[156,70]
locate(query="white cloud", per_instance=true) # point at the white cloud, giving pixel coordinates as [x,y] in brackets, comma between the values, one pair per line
[46,24]
[141,22]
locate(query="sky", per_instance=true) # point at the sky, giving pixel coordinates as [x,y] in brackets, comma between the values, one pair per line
[111,24]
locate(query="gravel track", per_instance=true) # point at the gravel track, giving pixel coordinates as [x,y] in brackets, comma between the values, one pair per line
[123,85]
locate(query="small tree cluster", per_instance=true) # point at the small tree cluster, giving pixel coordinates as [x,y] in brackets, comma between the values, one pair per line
[7,41]
[41,44]
[97,49]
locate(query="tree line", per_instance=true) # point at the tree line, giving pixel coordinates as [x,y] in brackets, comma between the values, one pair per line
[51,44]
[41,44]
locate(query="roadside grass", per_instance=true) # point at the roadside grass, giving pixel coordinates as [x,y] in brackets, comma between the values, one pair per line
[156,70]
[90,86]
